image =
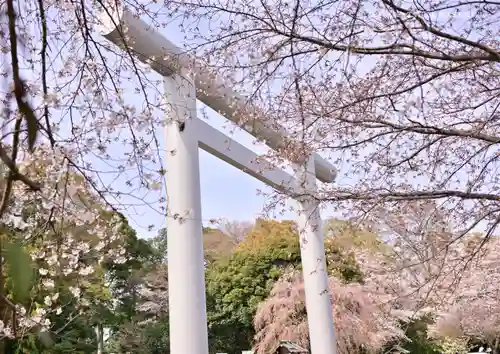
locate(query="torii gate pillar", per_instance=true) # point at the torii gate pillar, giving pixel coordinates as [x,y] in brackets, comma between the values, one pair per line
[186,291]
[312,254]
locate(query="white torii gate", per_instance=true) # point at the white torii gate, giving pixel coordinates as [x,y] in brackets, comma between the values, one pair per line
[184,82]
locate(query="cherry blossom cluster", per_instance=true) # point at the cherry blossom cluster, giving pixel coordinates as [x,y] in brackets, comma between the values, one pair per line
[361,320]
[67,232]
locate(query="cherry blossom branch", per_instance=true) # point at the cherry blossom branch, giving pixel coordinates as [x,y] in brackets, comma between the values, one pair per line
[43,55]
[387,196]
[16,175]
[494,53]
[25,109]
[427,129]
[402,49]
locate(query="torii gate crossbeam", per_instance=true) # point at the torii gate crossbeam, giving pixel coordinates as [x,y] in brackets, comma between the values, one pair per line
[184,82]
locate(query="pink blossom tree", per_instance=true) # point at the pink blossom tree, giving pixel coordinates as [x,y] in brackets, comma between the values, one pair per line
[361,321]
[473,311]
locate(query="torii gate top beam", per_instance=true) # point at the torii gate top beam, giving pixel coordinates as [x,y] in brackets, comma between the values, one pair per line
[120,26]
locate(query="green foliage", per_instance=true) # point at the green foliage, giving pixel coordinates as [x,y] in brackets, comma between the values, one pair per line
[77,337]
[342,263]
[157,338]
[74,329]
[20,271]
[125,278]
[150,338]
[418,339]
[266,234]
[342,238]
[128,333]
[237,284]
[239,277]
[158,246]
